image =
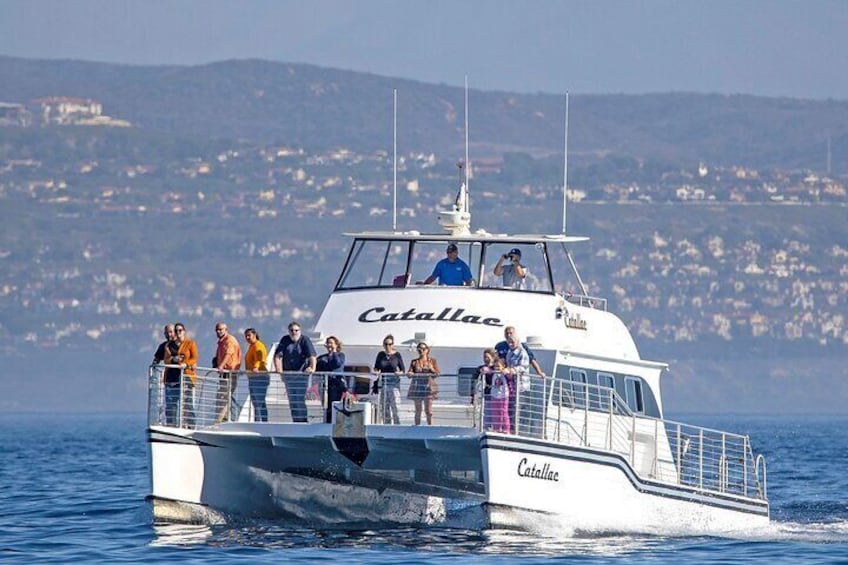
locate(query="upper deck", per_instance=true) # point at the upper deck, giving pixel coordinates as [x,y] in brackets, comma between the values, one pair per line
[379,291]
[392,259]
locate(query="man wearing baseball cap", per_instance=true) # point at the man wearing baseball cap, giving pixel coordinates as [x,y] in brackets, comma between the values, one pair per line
[451,271]
[514,274]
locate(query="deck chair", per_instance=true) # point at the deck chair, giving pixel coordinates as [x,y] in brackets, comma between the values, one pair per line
[401,281]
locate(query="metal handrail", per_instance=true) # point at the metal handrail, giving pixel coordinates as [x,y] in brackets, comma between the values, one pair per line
[592,416]
[761,461]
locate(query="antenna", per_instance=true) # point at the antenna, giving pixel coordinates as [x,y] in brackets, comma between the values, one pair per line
[467,163]
[565,168]
[394,144]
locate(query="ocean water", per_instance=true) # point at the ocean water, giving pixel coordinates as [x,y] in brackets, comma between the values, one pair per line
[72,489]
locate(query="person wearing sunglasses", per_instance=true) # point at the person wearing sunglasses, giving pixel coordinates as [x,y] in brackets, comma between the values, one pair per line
[331,362]
[186,358]
[423,389]
[389,366]
[295,353]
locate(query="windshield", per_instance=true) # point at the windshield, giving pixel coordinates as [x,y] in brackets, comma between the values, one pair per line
[374,263]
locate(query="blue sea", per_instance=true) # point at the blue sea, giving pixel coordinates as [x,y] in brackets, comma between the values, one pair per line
[73,487]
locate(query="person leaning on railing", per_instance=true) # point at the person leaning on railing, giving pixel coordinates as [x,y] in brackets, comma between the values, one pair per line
[295,353]
[328,363]
[228,362]
[502,347]
[389,366]
[495,385]
[518,367]
[257,374]
[186,358]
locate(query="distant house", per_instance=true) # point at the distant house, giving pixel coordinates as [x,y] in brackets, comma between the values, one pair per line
[14,115]
[64,110]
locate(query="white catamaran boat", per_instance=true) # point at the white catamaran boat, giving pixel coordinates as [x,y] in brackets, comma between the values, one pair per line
[588,447]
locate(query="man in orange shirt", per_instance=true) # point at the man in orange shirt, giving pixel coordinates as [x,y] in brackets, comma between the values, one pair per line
[228,360]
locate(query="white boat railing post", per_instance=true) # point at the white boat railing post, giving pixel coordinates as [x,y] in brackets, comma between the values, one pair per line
[723,472]
[586,415]
[559,413]
[228,415]
[745,465]
[518,394]
[182,400]
[545,402]
[761,482]
[251,409]
[633,440]
[679,455]
[609,422]
[701,459]
[656,447]
[382,399]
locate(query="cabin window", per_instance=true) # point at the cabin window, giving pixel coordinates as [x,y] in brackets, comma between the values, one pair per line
[375,263]
[578,387]
[561,387]
[533,259]
[605,380]
[633,391]
[426,254]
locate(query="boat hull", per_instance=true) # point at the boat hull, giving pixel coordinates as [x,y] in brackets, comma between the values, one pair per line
[302,473]
[423,475]
[589,490]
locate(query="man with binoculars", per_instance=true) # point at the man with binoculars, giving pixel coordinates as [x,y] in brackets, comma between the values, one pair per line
[513,273]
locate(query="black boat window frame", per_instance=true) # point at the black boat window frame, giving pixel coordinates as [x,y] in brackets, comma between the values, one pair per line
[469,253]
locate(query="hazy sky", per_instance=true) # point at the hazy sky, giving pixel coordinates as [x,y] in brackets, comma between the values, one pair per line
[775,48]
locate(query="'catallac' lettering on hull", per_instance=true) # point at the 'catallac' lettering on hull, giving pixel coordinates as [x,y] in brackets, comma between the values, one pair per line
[544,473]
[376,315]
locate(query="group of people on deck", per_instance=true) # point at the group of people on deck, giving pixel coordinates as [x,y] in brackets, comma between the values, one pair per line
[504,372]
[294,353]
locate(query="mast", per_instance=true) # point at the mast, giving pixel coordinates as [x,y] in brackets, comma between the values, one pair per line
[394,145]
[565,168]
[467,164]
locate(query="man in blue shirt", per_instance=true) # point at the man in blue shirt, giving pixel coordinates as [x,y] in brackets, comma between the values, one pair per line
[295,352]
[451,271]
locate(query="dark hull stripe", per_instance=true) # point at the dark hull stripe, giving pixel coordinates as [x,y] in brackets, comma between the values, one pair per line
[597,457]
[156,436]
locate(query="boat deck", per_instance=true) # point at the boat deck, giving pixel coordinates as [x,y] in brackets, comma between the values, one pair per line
[563,412]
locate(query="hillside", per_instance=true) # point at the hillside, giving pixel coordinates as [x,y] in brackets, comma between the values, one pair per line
[321,108]
[715,232]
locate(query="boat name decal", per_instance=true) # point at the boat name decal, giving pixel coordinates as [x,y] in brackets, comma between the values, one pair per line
[544,473]
[377,314]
